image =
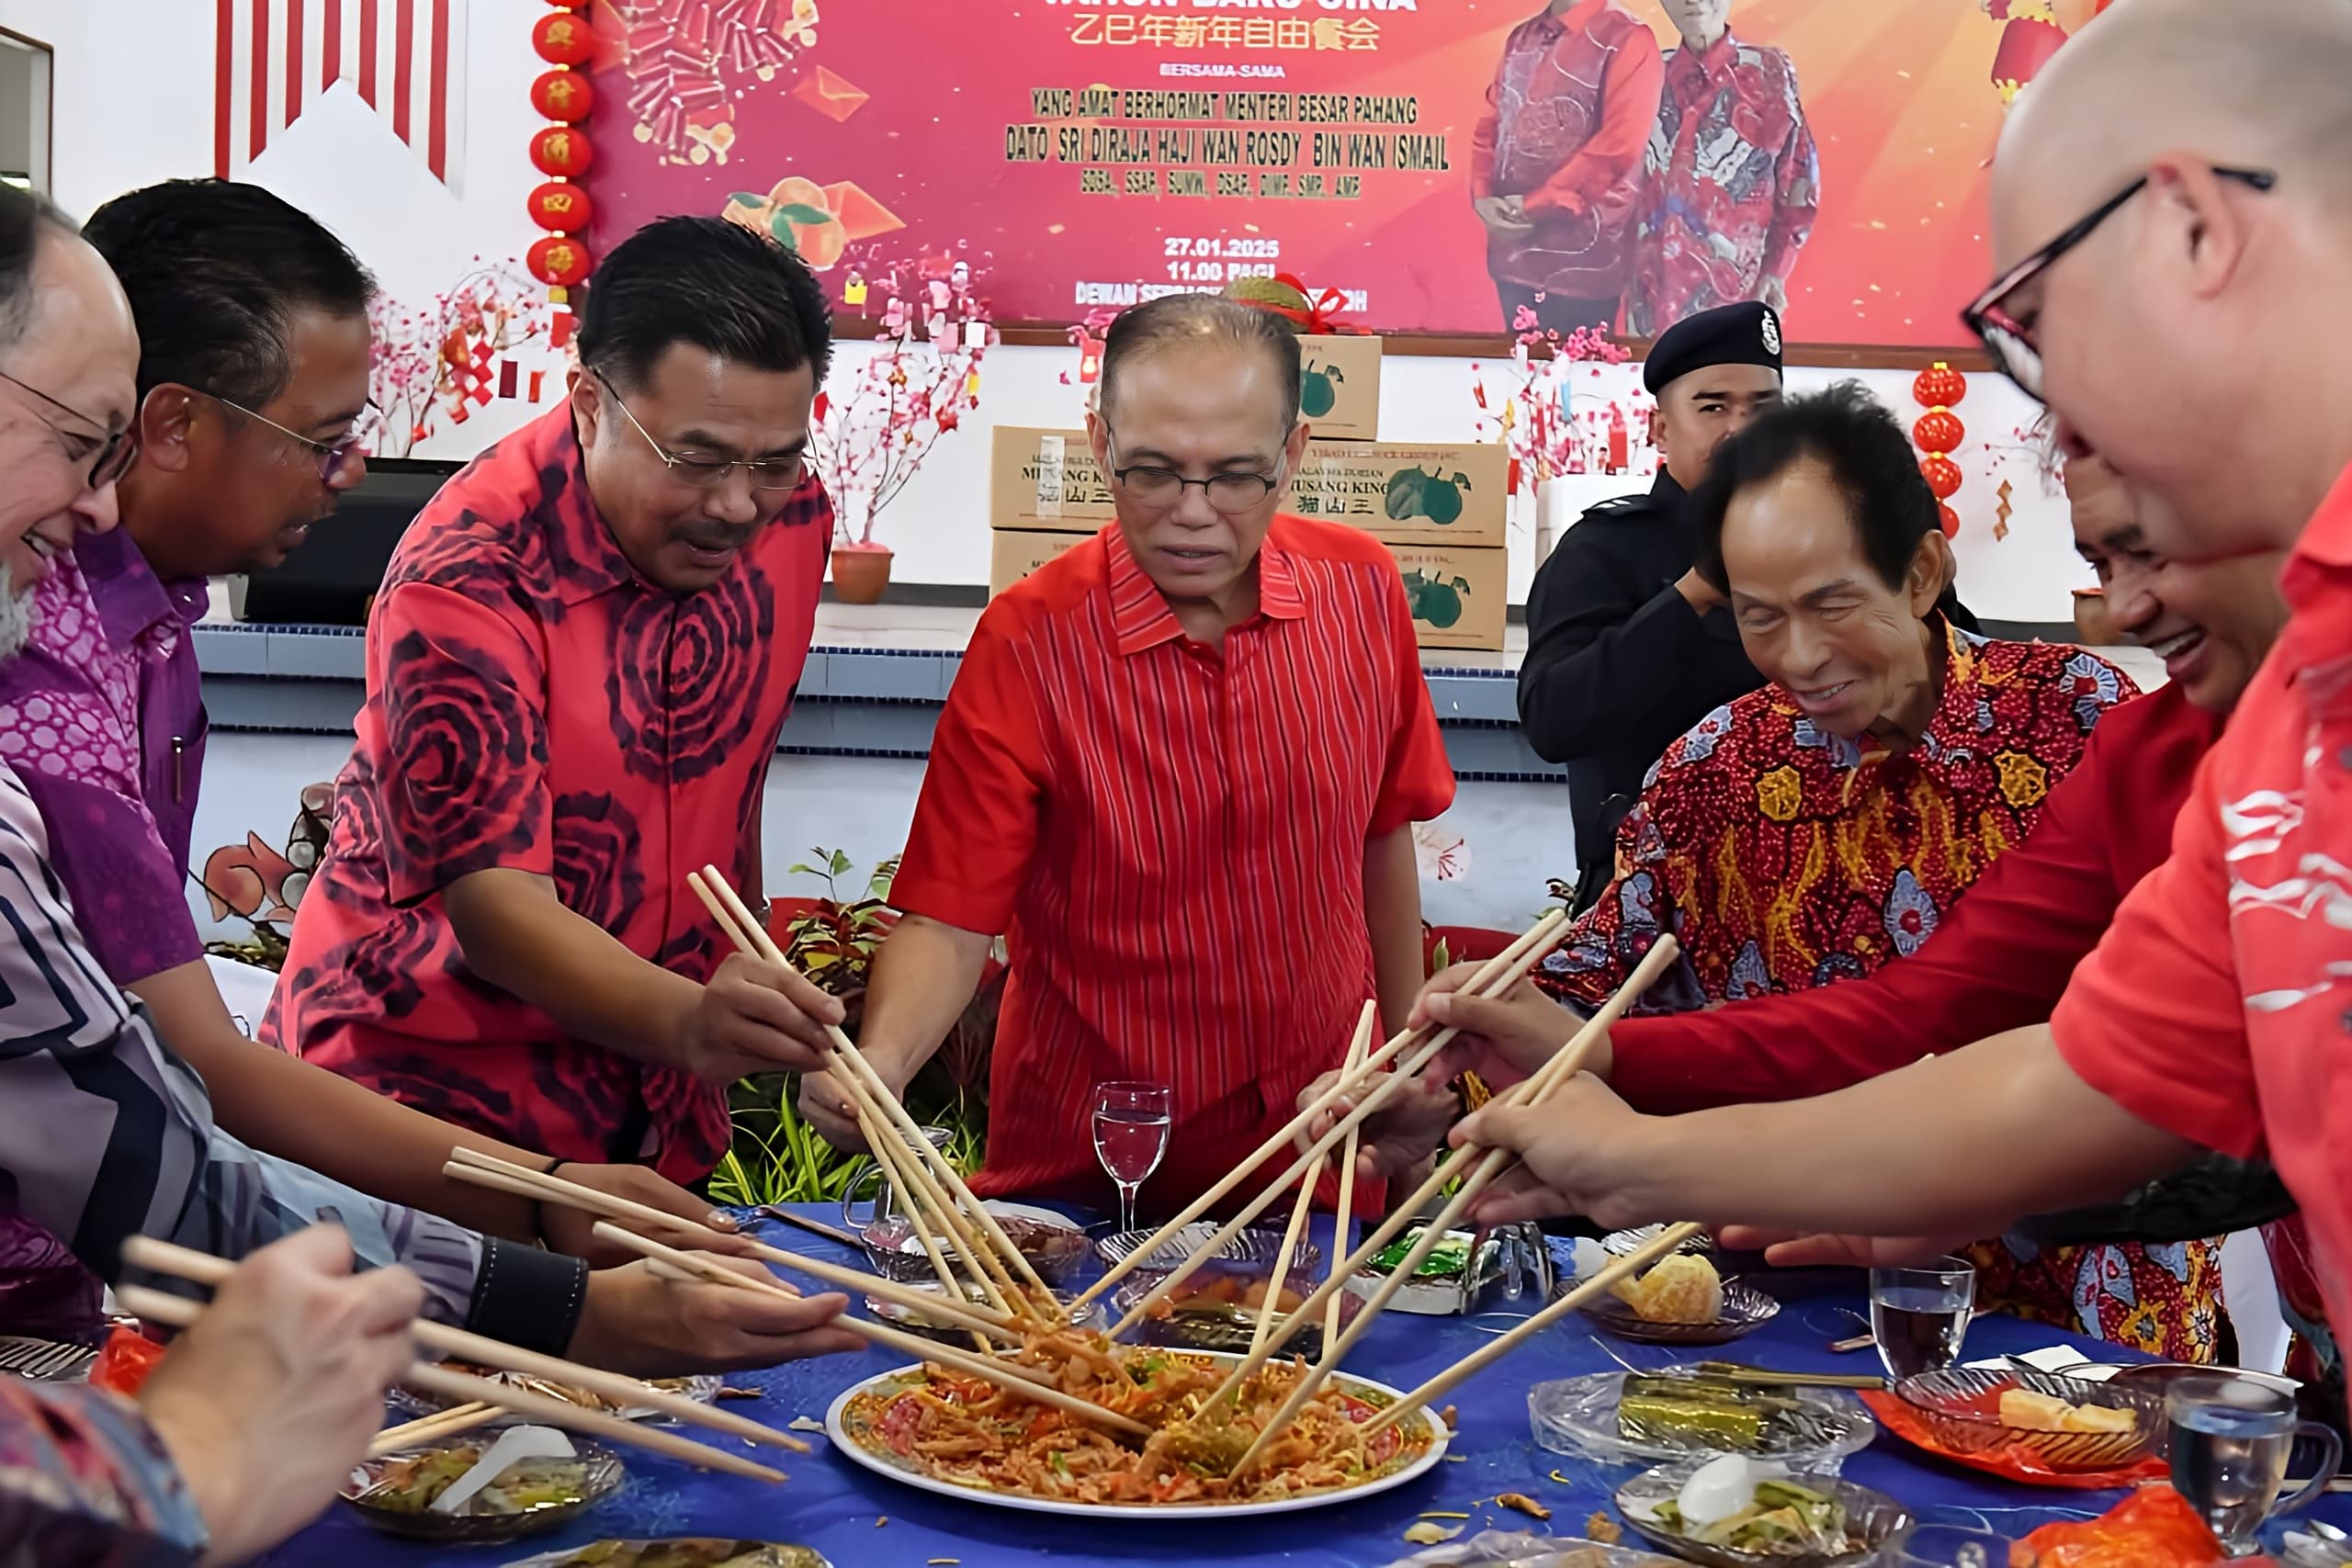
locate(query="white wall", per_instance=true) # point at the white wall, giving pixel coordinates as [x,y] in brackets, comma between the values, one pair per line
[134,101]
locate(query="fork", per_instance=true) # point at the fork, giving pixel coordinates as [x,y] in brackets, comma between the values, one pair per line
[42,1360]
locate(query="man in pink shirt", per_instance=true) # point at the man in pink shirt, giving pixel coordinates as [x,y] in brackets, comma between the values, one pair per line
[2173,211]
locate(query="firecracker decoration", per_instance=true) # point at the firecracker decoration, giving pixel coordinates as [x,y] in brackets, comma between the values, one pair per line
[2001,513]
[1938,433]
[426,366]
[873,434]
[1536,418]
[2031,32]
[686,61]
[562,152]
[564,38]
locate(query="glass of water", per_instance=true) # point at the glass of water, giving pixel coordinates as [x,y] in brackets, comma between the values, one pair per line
[2230,1439]
[1920,1316]
[1131,1127]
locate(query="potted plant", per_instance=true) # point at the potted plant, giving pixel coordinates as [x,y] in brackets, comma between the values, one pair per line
[874,437]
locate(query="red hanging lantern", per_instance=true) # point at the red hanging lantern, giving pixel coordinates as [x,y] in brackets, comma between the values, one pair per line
[563,39]
[1941,473]
[1939,385]
[1949,519]
[562,150]
[559,260]
[1939,432]
[561,206]
[564,95]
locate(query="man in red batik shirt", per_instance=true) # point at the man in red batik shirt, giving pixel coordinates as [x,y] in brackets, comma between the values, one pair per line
[583,651]
[1733,179]
[2172,233]
[1556,165]
[1180,769]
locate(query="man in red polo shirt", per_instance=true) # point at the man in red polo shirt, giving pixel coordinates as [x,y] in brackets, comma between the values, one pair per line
[1180,769]
[2196,181]
[583,651]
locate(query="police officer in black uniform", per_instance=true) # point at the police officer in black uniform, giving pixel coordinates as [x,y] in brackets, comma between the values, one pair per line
[1627,646]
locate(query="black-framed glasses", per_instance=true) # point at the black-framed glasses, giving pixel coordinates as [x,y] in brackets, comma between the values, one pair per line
[118,449]
[330,460]
[709,473]
[2009,341]
[1147,484]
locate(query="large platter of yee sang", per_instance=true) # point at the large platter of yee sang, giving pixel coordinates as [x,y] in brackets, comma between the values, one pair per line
[936,1429]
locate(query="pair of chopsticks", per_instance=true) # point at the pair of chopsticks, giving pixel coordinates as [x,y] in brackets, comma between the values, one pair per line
[1029,1382]
[203,1269]
[1413,1049]
[926,1181]
[1489,1164]
[1270,1309]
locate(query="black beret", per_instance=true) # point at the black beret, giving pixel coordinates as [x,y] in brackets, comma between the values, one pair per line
[1728,334]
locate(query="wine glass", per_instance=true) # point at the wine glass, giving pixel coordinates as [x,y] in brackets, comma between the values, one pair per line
[1920,1316]
[1131,1124]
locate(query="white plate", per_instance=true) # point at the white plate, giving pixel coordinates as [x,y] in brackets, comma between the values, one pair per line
[880,1465]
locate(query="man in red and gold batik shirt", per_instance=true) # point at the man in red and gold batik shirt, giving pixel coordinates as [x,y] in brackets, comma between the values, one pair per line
[577,670]
[1180,769]
[1556,165]
[1822,827]
[1733,179]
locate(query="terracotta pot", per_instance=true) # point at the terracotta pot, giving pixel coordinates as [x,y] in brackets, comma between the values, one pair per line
[861,572]
[2092,622]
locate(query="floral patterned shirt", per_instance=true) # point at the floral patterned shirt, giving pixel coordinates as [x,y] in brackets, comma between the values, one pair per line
[533,703]
[1783,859]
[84,1483]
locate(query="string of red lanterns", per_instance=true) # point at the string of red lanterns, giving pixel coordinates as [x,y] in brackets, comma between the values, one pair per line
[1939,433]
[561,151]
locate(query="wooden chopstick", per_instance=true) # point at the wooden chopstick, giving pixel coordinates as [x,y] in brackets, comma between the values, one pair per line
[849,1067]
[1410,1039]
[450,1423]
[1029,1382]
[163,1258]
[528,1183]
[1562,1067]
[1374,1099]
[1270,1308]
[814,1227]
[1764,1377]
[180,1313]
[1355,1064]
[1658,1246]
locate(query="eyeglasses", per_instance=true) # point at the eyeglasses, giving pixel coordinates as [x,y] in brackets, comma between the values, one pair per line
[330,460]
[1162,489]
[707,473]
[2011,341]
[118,449]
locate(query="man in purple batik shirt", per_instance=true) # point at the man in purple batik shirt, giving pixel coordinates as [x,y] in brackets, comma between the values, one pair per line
[103,716]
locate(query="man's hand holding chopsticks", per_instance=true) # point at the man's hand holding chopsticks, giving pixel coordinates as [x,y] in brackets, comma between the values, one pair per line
[638,1322]
[757,1017]
[1584,1151]
[270,1400]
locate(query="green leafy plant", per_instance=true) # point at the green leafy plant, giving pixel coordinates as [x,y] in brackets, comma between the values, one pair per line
[777,1157]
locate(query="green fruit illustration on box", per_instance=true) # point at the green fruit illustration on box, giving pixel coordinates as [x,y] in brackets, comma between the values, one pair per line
[1414,493]
[1435,599]
[1316,396]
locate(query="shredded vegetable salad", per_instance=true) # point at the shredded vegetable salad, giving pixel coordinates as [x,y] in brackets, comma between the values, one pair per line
[965,1431]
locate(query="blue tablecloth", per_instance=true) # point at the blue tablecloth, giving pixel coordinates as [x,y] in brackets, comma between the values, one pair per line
[858,1519]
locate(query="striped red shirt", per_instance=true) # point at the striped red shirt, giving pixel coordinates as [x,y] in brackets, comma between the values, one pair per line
[1171,835]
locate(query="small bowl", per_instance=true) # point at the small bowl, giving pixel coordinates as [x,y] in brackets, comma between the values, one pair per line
[702,1388]
[600,1474]
[1228,1326]
[1250,1247]
[1622,1243]
[1052,1245]
[913,1321]
[1961,1409]
[1745,1310]
[1876,1521]
[1579,1416]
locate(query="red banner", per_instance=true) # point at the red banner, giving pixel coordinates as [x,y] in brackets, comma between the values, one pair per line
[1084,153]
